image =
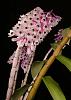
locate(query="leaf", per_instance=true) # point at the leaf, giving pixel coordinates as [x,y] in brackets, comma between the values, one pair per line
[64,60]
[36,67]
[19,92]
[54,88]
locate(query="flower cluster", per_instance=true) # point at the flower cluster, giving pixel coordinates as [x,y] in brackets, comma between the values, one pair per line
[31,29]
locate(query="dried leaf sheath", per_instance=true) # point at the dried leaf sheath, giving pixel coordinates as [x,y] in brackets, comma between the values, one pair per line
[30,30]
[26,76]
[12,74]
[16,75]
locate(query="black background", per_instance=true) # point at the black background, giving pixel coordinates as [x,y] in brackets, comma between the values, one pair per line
[9,14]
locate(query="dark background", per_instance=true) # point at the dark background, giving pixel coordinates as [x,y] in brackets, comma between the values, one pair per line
[9,14]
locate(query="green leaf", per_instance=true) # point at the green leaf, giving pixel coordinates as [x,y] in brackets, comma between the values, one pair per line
[36,67]
[64,60]
[19,92]
[53,88]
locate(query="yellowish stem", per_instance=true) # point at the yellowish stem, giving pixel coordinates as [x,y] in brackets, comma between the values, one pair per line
[47,65]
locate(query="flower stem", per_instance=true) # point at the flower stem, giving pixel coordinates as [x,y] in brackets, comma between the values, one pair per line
[47,65]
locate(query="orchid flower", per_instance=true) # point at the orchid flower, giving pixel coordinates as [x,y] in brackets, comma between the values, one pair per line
[31,29]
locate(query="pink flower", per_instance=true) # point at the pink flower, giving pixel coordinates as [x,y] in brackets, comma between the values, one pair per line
[31,29]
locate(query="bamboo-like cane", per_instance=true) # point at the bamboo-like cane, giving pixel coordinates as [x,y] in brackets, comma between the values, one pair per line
[12,80]
[25,97]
